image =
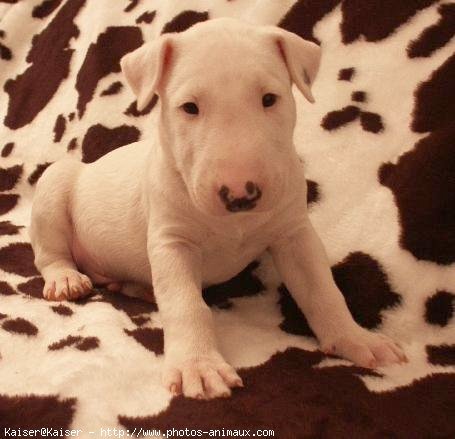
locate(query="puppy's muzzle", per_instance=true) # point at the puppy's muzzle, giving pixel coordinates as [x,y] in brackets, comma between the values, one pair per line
[240,204]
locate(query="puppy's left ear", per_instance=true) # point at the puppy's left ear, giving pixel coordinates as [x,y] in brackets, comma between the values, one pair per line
[301,57]
[145,68]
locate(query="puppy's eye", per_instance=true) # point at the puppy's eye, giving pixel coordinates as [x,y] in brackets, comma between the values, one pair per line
[190,108]
[268,99]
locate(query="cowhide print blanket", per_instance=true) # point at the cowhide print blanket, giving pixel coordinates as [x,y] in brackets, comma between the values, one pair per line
[379,149]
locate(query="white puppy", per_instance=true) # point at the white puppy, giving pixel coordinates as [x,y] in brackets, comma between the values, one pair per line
[219,184]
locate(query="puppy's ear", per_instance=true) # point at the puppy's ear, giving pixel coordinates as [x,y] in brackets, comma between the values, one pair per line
[145,68]
[301,57]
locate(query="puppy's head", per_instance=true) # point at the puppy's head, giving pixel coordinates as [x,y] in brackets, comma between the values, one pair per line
[227,110]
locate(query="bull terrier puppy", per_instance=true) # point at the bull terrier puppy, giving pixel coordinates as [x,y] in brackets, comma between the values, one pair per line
[218,184]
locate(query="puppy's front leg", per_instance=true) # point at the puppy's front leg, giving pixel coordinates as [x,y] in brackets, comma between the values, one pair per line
[304,267]
[193,364]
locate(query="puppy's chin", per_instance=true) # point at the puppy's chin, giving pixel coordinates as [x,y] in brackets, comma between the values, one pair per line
[210,209]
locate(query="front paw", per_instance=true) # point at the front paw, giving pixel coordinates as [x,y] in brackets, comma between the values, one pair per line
[365,348]
[204,377]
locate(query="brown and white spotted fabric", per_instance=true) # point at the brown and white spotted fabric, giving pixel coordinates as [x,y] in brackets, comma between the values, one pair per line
[379,149]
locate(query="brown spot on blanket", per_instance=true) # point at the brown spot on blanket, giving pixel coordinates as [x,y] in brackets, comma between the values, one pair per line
[426,203]
[79,342]
[6,151]
[103,57]
[45,8]
[8,202]
[376,19]
[36,412]
[38,172]
[33,287]
[184,21]
[72,144]
[439,308]
[131,306]
[6,289]
[133,111]
[346,74]
[59,128]
[62,310]
[147,17]
[50,56]
[9,177]
[131,5]
[151,338]
[304,15]
[5,52]
[113,89]
[359,96]
[435,99]
[364,286]
[8,228]
[100,140]
[312,195]
[20,326]
[336,119]
[436,36]
[371,122]
[294,321]
[18,258]
[288,394]
[246,283]
[442,355]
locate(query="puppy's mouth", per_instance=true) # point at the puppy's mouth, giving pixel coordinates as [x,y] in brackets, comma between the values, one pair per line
[248,202]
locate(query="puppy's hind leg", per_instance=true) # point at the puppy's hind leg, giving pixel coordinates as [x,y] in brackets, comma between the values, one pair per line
[51,233]
[138,291]
[133,289]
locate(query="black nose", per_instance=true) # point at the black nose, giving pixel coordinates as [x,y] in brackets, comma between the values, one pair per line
[247,202]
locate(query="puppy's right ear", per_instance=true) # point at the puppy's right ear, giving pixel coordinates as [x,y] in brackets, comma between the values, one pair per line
[145,67]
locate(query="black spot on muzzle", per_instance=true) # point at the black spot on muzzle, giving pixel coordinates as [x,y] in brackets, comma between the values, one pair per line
[241,204]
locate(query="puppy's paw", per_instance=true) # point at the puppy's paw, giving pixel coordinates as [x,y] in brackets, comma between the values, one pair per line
[366,349]
[205,377]
[66,284]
